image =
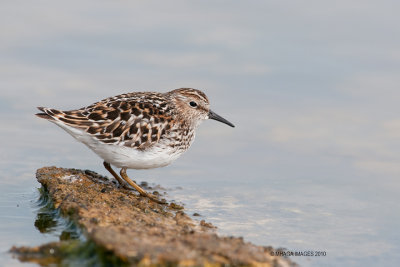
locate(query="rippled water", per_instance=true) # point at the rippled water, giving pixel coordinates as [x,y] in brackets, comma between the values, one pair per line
[312,87]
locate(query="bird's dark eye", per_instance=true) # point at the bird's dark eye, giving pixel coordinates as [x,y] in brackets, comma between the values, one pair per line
[193,104]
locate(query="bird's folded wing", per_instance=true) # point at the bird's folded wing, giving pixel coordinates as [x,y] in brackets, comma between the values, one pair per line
[134,124]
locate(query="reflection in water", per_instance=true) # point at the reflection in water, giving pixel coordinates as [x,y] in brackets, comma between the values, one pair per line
[46,220]
[49,219]
[67,253]
[72,250]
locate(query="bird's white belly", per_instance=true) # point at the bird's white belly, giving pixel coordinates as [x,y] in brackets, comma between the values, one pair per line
[122,156]
[156,156]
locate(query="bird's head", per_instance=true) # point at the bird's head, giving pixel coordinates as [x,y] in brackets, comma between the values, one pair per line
[194,106]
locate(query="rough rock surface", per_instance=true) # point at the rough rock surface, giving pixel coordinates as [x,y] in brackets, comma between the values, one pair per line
[140,231]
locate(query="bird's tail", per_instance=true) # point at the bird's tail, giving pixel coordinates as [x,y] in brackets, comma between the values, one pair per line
[48,113]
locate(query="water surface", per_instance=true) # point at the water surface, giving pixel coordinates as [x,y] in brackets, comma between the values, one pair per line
[312,87]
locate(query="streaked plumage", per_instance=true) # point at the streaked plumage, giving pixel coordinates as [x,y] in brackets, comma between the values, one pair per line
[139,130]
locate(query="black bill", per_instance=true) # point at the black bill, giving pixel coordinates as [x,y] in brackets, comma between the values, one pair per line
[215,116]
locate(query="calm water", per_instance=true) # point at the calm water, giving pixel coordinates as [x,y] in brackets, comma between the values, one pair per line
[313,88]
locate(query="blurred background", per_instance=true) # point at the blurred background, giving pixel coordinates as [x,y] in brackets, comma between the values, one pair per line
[312,87]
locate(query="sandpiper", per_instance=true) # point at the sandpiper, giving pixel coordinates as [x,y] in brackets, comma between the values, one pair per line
[139,130]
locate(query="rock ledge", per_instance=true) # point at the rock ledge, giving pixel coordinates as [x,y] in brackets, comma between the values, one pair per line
[138,231]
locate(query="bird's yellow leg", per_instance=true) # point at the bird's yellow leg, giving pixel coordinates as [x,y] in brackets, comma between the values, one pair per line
[116,176]
[138,188]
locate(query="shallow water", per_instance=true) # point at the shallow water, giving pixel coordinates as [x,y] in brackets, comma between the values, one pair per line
[312,88]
